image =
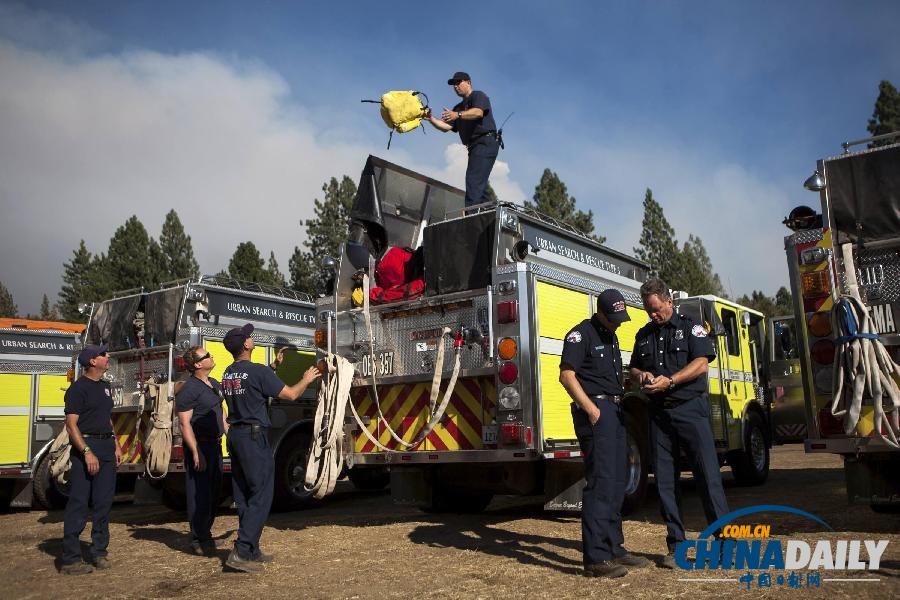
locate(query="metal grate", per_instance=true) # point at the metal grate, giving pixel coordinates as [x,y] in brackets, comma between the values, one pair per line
[878,273]
[42,368]
[632,296]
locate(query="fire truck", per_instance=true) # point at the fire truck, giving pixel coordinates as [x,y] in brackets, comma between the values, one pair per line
[502,285]
[35,358]
[148,331]
[848,254]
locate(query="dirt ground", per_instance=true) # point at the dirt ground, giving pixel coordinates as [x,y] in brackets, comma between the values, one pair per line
[360,545]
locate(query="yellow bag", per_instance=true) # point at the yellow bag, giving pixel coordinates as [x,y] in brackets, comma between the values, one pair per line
[357,297]
[402,111]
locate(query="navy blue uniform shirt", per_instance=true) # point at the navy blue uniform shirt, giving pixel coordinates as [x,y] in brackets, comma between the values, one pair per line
[593,353]
[92,402]
[471,131]
[668,348]
[247,387]
[206,402]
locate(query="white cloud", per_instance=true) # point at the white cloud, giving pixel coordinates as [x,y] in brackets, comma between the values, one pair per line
[454,172]
[89,141]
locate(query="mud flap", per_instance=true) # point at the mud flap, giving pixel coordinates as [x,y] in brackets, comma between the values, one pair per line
[563,484]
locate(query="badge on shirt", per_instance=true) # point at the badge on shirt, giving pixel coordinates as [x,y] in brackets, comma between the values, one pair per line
[106,389]
[679,334]
[698,331]
[574,336]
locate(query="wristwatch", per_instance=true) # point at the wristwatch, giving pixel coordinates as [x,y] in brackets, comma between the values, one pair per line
[86,450]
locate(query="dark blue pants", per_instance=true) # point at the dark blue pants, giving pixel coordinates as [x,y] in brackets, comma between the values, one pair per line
[687,425]
[481,160]
[203,490]
[603,449]
[253,485]
[89,490]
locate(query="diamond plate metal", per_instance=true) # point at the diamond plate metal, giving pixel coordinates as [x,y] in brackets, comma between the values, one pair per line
[632,295]
[124,378]
[259,337]
[878,273]
[42,368]
[715,417]
[805,236]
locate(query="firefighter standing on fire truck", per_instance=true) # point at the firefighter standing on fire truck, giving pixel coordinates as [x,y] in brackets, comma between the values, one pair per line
[591,372]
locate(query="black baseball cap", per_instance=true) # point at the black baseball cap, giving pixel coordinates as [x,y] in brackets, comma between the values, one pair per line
[612,304]
[457,77]
[89,353]
[234,339]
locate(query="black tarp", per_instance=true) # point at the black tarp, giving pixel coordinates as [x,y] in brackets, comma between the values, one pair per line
[161,313]
[366,211]
[864,191]
[459,254]
[113,323]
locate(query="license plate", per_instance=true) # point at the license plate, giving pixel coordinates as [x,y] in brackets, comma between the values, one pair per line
[489,434]
[384,364]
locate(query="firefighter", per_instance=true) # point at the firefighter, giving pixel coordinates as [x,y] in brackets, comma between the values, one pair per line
[247,387]
[591,372]
[473,119]
[199,406]
[94,455]
[670,361]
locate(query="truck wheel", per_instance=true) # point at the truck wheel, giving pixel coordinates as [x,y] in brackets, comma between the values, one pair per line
[750,466]
[369,479]
[48,493]
[444,500]
[637,466]
[290,473]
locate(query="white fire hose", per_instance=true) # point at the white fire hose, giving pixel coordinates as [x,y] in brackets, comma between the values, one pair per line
[158,442]
[861,363]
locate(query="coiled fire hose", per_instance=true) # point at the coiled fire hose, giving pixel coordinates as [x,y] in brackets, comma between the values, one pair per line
[436,413]
[862,365]
[326,454]
[158,443]
[61,457]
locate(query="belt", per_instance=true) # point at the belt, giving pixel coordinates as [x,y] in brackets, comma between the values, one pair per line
[253,427]
[608,398]
[97,436]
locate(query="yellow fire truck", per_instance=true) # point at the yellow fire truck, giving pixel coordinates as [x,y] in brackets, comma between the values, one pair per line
[35,357]
[148,331]
[502,286]
[844,268]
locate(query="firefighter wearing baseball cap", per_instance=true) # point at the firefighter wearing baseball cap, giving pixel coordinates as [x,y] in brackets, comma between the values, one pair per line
[95,455]
[591,372]
[247,387]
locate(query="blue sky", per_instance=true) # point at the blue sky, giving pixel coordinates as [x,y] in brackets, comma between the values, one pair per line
[237,112]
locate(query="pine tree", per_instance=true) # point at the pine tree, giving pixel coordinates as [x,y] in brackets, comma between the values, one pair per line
[886,116]
[177,250]
[48,313]
[758,300]
[695,273]
[552,199]
[490,193]
[8,307]
[246,264]
[84,281]
[274,275]
[784,302]
[324,235]
[133,259]
[657,245]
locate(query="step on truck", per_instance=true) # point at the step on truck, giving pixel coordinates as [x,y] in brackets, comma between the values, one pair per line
[35,360]
[501,285]
[148,331]
[846,253]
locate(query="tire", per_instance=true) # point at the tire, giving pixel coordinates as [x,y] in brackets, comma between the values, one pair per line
[47,492]
[637,468]
[750,466]
[369,479]
[290,473]
[444,500]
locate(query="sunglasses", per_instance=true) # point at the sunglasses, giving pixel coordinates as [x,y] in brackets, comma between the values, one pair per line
[202,358]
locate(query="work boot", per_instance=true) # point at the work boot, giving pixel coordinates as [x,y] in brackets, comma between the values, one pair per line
[263,558]
[668,561]
[197,548]
[101,562]
[606,568]
[631,560]
[234,561]
[79,568]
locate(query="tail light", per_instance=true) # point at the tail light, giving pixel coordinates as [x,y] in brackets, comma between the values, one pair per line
[829,424]
[180,364]
[815,284]
[507,348]
[508,312]
[823,352]
[514,433]
[321,339]
[177,454]
[820,324]
[509,372]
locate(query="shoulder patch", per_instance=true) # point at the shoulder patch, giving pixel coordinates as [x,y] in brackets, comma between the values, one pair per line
[574,336]
[698,331]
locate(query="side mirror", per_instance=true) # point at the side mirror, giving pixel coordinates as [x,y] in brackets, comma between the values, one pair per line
[329,264]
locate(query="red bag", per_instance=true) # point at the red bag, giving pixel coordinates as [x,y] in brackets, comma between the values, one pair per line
[395,293]
[394,267]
